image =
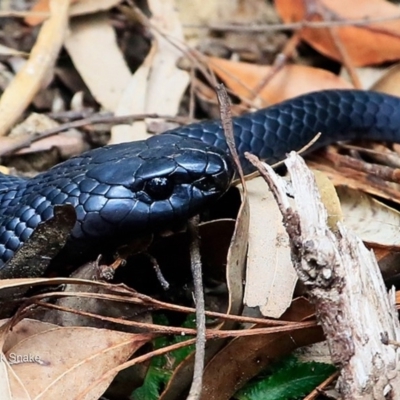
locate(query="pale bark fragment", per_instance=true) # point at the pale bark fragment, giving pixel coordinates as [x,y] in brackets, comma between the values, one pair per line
[346,286]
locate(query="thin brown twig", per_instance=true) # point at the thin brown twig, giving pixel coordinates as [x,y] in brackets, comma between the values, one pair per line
[91,120]
[317,391]
[160,276]
[172,330]
[293,25]
[155,304]
[301,151]
[280,61]
[195,263]
[227,125]
[345,58]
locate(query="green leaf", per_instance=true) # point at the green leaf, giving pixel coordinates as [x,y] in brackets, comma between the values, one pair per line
[161,367]
[292,381]
[156,378]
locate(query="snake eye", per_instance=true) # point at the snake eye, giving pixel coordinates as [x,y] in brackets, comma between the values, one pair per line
[205,184]
[159,188]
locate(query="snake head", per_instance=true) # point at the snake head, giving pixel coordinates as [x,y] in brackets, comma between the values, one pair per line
[147,186]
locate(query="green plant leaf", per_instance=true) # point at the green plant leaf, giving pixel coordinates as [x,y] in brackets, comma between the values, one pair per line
[291,381]
[153,383]
[161,367]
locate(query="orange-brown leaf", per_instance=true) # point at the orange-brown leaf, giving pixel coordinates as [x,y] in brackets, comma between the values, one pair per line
[292,80]
[41,6]
[368,44]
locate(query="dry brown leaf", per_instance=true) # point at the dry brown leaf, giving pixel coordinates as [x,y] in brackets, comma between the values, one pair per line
[252,354]
[389,82]
[65,371]
[292,80]
[91,38]
[236,259]
[369,44]
[25,328]
[374,222]
[270,276]
[37,69]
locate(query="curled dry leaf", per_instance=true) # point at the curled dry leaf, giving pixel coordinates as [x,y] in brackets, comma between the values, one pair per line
[104,307]
[366,44]
[236,258]
[290,81]
[270,276]
[13,290]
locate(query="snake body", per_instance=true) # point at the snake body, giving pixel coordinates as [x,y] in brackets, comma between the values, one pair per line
[135,188]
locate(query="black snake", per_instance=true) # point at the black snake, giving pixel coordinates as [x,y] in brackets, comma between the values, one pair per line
[131,189]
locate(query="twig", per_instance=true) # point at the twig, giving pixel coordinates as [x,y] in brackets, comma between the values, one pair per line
[293,25]
[197,382]
[92,120]
[226,120]
[280,61]
[301,151]
[345,57]
[171,330]
[317,391]
[144,300]
[160,276]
